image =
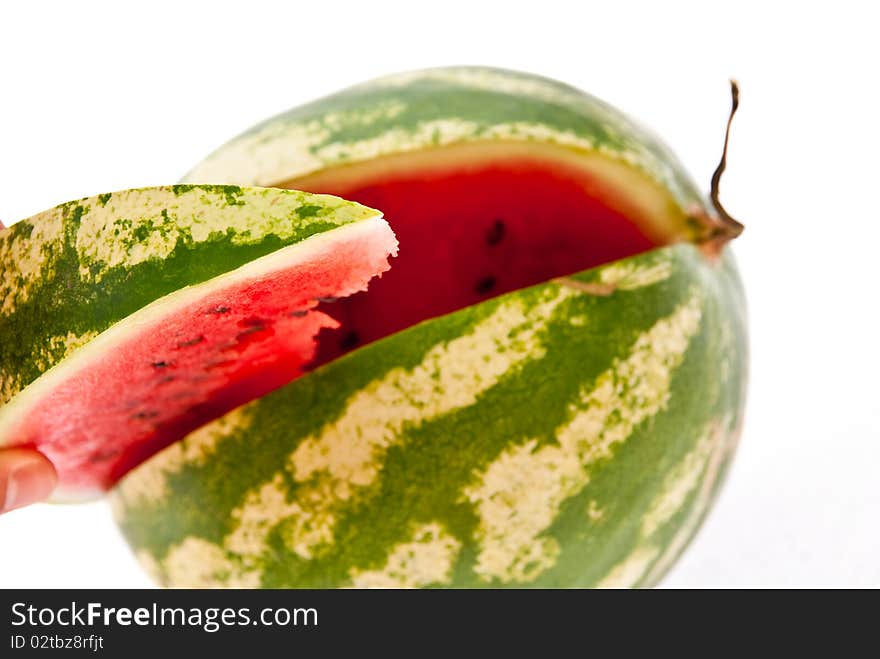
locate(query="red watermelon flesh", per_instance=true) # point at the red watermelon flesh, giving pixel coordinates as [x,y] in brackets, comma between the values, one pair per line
[470,233]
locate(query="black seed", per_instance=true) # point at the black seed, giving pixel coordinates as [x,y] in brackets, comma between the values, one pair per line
[218,310]
[495,234]
[328,300]
[167,378]
[485,285]
[191,342]
[160,364]
[145,415]
[349,340]
[219,364]
[298,314]
[253,321]
[250,330]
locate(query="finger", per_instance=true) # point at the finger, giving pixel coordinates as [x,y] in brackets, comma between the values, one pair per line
[26,477]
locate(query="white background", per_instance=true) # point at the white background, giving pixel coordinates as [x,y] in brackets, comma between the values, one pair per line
[94,99]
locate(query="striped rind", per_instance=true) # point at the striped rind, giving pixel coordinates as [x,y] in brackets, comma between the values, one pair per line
[548,437]
[432,108]
[71,272]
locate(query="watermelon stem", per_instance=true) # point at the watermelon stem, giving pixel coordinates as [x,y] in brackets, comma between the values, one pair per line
[720,228]
[733,226]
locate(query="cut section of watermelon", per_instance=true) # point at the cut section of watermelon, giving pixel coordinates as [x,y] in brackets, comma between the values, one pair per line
[190,356]
[476,221]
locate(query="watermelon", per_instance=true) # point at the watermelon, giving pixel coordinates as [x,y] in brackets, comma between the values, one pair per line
[130,319]
[545,390]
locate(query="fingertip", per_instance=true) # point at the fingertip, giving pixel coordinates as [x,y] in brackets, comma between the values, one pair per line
[26,477]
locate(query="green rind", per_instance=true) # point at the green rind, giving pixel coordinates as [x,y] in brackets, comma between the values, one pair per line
[434,107]
[628,509]
[71,272]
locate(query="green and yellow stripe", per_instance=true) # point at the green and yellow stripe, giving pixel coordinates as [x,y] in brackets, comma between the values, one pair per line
[480,457]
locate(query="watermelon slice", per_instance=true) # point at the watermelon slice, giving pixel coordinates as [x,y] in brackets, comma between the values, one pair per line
[237,322]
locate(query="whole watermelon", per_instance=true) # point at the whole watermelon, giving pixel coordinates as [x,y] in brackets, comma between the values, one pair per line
[546,389]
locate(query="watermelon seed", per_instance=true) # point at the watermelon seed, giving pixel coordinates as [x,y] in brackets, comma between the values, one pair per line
[328,300]
[220,364]
[161,364]
[495,234]
[255,322]
[191,342]
[250,330]
[252,334]
[145,415]
[217,310]
[299,313]
[350,340]
[485,285]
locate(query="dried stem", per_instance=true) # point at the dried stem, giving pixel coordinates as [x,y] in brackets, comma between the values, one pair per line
[732,228]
